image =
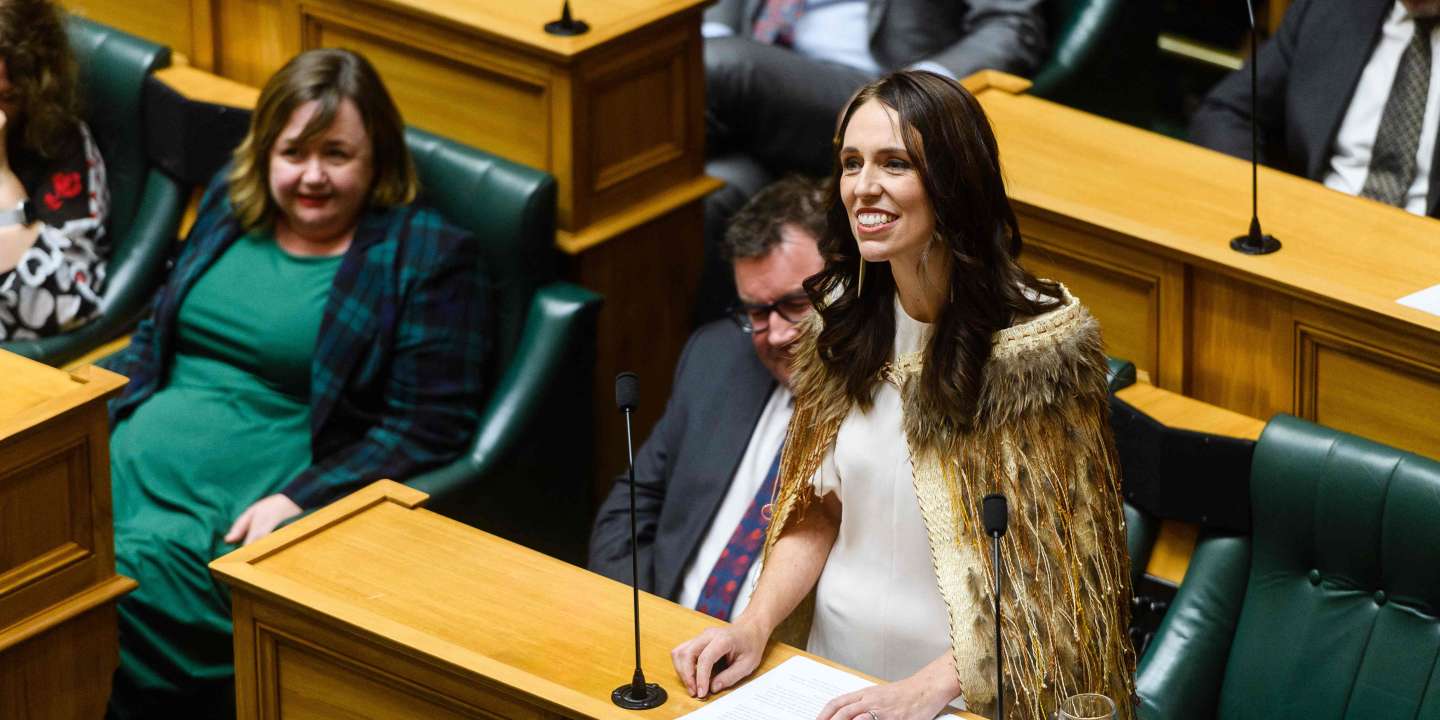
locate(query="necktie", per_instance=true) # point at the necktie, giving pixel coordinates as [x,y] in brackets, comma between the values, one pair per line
[776,23]
[717,598]
[1392,159]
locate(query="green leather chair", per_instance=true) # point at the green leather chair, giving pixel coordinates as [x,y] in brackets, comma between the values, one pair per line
[1100,57]
[526,475]
[145,203]
[1330,610]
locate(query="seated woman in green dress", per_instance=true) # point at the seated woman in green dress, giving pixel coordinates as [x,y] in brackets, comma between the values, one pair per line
[318,332]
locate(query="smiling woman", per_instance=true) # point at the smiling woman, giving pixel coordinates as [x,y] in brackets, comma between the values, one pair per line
[936,370]
[317,333]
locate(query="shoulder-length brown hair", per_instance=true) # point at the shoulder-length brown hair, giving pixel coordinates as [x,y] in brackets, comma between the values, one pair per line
[42,74]
[953,150]
[328,77]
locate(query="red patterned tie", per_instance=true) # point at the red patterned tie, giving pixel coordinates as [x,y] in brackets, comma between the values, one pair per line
[717,598]
[776,22]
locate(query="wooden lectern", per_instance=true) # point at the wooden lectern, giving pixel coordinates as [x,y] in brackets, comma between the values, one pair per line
[57,556]
[372,607]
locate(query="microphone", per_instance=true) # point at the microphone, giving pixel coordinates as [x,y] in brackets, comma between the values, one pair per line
[995,515]
[1255,242]
[636,694]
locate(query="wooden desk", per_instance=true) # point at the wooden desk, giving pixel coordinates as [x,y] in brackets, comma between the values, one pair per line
[372,607]
[1138,225]
[58,585]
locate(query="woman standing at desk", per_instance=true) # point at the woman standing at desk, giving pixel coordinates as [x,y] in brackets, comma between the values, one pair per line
[936,370]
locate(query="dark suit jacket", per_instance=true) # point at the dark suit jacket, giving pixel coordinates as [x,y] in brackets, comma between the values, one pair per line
[684,469]
[962,36]
[395,381]
[1308,74]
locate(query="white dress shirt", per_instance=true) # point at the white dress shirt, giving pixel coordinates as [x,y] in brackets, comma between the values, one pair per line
[759,455]
[1350,164]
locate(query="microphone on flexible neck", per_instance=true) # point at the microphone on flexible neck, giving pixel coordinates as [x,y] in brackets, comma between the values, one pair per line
[636,694]
[1255,242]
[995,516]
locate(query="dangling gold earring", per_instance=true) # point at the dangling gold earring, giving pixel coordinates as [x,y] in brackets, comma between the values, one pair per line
[860,282]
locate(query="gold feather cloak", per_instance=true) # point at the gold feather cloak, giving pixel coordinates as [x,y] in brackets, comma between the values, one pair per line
[1041,437]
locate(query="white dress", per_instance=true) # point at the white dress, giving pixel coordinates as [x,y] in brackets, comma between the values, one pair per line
[877,606]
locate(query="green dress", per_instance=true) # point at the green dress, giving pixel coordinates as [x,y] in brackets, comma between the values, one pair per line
[231,426]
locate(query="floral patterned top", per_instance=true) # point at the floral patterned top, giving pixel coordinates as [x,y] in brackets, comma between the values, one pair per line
[56,285]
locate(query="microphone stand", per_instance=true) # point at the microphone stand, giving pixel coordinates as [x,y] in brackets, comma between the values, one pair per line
[1255,242]
[636,694]
[999,674]
[995,514]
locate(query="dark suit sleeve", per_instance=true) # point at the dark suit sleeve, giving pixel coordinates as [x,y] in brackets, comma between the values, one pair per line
[1223,120]
[654,463]
[1004,35]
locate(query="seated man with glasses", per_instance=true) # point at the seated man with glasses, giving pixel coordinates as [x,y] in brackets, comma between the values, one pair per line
[708,468]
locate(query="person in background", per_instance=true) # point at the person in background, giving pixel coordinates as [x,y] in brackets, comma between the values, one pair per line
[318,332]
[53,197]
[936,370]
[1348,96]
[708,468]
[777,72]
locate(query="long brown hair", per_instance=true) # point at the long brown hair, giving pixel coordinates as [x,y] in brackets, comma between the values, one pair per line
[328,77]
[953,149]
[42,74]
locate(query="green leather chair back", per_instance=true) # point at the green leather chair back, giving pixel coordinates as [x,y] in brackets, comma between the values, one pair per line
[526,474]
[113,68]
[507,206]
[1100,53]
[1340,616]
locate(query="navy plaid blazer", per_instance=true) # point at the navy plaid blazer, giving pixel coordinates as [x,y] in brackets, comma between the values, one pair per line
[395,381]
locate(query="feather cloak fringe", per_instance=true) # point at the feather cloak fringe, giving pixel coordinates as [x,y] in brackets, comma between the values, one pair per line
[1042,438]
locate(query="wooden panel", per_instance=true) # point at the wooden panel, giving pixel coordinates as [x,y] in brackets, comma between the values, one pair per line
[1368,387]
[1138,298]
[63,673]
[185,26]
[312,681]
[253,38]
[444,82]
[666,253]
[1242,346]
[637,122]
[37,509]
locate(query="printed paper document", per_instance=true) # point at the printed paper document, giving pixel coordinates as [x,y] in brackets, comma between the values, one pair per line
[795,690]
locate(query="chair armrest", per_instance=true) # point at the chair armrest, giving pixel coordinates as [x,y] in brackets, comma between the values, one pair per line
[135,271]
[1180,675]
[561,319]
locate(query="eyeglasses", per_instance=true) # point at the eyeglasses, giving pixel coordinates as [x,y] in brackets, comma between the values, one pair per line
[756,318]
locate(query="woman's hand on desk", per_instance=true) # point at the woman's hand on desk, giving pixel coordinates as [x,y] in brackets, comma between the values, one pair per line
[733,650]
[261,519]
[919,697]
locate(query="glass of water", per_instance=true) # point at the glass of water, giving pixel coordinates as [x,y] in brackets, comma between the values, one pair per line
[1087,706]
